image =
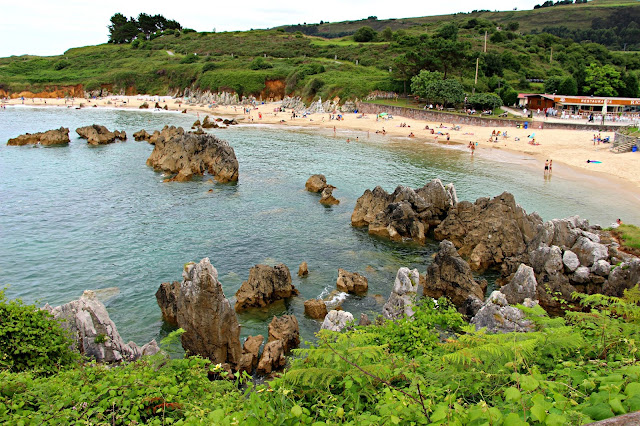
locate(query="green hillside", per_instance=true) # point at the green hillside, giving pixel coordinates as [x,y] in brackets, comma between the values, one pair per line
[292,61]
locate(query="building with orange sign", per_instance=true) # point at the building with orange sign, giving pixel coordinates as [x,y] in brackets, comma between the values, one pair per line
[581,104]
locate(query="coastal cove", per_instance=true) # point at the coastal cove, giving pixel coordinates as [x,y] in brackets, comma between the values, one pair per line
[80,217]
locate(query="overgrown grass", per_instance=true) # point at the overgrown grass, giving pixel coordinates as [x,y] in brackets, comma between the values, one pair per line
[629,236]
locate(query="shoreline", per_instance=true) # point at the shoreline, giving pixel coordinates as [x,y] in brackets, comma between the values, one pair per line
[568,148]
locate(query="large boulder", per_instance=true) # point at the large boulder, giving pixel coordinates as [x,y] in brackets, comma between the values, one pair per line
[49,138]
[202,310]
[316,183]
[403,296]
[250,352]
[265,285]
[336,320]
[351,282]
[167,298]
[570,261]
[406,213]
[622,277]
[141,135]
[272,358]
[176,150]
[315,308]
[327,196]
[287,330]
[522,286]
[589,251]
[450,276]
[303,269]
[95,335]
[489,230]
[498,317]
[100,135]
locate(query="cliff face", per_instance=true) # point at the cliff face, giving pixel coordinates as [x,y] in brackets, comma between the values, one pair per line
[76,91]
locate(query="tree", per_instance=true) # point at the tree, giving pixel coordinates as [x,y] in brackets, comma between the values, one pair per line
[430,85]
[552,84]
[508,96]
[387,34]
[602,80]
[450,54]
[513,26]
[365,34]
[485,101]
[424,79]
[448,31]
[630,82]
[568,86]
[492,64]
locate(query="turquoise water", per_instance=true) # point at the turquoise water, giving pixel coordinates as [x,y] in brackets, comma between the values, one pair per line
[81,217]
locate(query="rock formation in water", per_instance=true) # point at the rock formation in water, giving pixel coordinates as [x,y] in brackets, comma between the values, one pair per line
[250,352]
[327,196]
[284,335]
[303,269]
[449,275]
[336,320]
[489,230]
[187,154]
[49,138]
[316,183]
[403,295]
[201,309]
[315,308]
[141,135]
[265,285]
[100,135]
[351,282]
[94,333]
[406,213]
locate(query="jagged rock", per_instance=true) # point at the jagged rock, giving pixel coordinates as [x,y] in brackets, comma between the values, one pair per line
[272,358]
[196,123]
[327,196]
[303,269]
[547,260]
[588,251]
[285,329]
[50,137]
[315,308]
[489,230]
[560,232]
[167,297]
[100,135]
[622,277]
[522,286]
[601,267]
[403,295]
[141,135]
[449,275]
[144,105]
[364,320]
[316,183]
[210,323]
[406,213]
[351,282]
[570,261]
[176,150]
[207,124]
[265,285]
[95,335]
[336,320]
[498,317]
[581,275]
[250,352]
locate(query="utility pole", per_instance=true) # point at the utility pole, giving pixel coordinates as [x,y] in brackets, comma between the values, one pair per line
[475,82]
[485,42]
[551,55]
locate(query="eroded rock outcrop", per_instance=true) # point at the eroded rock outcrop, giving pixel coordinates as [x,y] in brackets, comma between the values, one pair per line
[315,308]
[202,310]
[522,286]
[316,183]
[489,230]
[95,335]
[141,135]
[303,269]
[327,196]
[49,138]
[450,276]
[285,329]
[100,135]
[403,296]
[336,320]
[498,317]
[406,213]
[272,358]
[250,352]
[351,282]
[265,285]
[188,154]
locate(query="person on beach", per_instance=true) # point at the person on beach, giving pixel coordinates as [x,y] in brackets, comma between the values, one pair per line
[550,166]
[546,167]
[411,135]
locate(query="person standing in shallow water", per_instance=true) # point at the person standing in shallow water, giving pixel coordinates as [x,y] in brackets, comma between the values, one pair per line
[546,167]
[550,166]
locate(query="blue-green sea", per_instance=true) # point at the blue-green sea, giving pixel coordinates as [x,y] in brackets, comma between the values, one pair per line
[82,217]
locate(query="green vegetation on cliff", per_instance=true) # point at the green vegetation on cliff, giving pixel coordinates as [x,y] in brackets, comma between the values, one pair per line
[432,369]
[522,55]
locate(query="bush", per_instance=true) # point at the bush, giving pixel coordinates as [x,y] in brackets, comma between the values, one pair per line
[485,101]
[31,340]
[189,59]
[365,34]
[209,66]
[259,64]
[508,96]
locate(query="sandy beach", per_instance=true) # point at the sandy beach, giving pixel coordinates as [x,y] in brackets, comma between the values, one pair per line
[565,147]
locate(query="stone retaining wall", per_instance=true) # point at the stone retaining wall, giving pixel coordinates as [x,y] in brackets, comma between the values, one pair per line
[471,120]
[621,139]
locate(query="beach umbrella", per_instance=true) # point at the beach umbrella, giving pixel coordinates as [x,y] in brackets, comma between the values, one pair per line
[532,135]
[382,114]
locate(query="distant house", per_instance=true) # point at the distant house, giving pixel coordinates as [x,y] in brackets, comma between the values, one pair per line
[580,104]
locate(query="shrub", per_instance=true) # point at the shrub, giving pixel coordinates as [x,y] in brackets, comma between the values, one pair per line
[189,59]
[485,101]
[209,66]
[365,34]
[259,64]
[31,340]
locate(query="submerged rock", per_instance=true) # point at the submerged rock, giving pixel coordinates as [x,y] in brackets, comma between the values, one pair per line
[177,151]
[265,285]
[201,309]
[49,138]
[403,296]
[95,335]
[100,135]
[449,275]
[406,213]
